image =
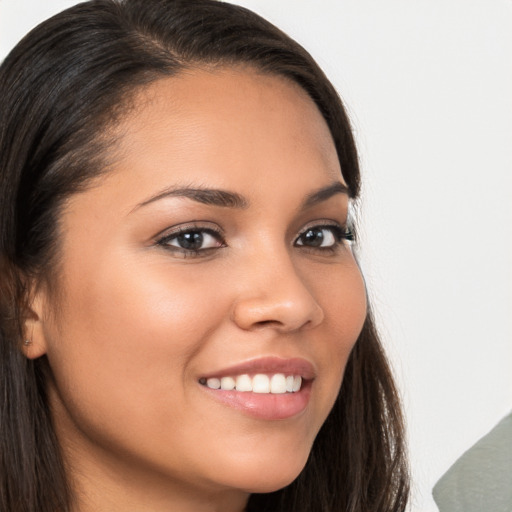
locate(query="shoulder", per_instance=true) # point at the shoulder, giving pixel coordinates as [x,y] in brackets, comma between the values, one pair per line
[481,479]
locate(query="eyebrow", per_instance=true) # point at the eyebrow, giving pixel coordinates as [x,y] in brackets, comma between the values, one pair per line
[227,199]
[215,197]
[324,193]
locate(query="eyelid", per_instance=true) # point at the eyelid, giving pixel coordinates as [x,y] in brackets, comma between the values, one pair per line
[325,223]
[168,234]
[195,225]
[343,232]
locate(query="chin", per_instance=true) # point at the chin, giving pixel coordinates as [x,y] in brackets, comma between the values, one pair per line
[270,476]
[272,484]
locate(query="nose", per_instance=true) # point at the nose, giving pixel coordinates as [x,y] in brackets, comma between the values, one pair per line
[273,294]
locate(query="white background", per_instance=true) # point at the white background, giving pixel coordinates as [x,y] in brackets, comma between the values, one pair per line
[428,84]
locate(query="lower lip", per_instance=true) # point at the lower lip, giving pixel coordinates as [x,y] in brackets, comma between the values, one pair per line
[265,406]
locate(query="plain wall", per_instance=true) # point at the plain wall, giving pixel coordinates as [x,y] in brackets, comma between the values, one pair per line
[428,85]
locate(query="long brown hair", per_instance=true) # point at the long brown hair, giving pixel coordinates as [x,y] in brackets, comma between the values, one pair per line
[60,88]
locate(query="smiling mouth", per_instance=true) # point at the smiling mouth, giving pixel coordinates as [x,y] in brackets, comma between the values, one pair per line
[277,383]
[268,388]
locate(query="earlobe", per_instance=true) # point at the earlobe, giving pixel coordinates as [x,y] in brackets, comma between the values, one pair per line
[34,340]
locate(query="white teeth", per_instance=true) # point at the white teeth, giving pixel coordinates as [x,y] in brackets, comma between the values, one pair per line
[227,383]
[277,383]
[260,383]
[213,383]
[243,383]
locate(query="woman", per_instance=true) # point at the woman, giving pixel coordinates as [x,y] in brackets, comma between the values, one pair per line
[180,302]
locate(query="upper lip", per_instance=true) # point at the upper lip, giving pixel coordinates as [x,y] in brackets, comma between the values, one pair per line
[269,365]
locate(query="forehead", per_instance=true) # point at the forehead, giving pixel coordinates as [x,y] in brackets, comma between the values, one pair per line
[231,128]
[230,113]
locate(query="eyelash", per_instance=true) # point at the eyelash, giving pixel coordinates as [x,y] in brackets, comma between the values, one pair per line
[216,234]
[343,235]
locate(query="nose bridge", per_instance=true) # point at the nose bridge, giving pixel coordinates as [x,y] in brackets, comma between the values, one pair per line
[273,293]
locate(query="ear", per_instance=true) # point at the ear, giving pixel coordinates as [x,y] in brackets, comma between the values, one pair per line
[34,343]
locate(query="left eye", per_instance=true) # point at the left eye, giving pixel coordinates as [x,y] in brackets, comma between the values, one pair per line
[192,240]
[320,236]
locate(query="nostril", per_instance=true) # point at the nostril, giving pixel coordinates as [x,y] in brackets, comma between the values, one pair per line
[267,323]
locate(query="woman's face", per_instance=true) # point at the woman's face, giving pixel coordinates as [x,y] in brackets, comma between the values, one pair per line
[214,250]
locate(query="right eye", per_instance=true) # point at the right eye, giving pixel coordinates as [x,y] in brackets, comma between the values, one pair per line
[191,241]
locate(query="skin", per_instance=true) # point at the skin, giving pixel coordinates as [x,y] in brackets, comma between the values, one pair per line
[136,323]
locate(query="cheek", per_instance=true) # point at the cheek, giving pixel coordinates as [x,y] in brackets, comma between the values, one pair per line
[126,336]
[342,296]
[122,352]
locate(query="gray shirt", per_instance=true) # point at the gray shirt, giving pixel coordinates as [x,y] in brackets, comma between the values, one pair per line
[481,479]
